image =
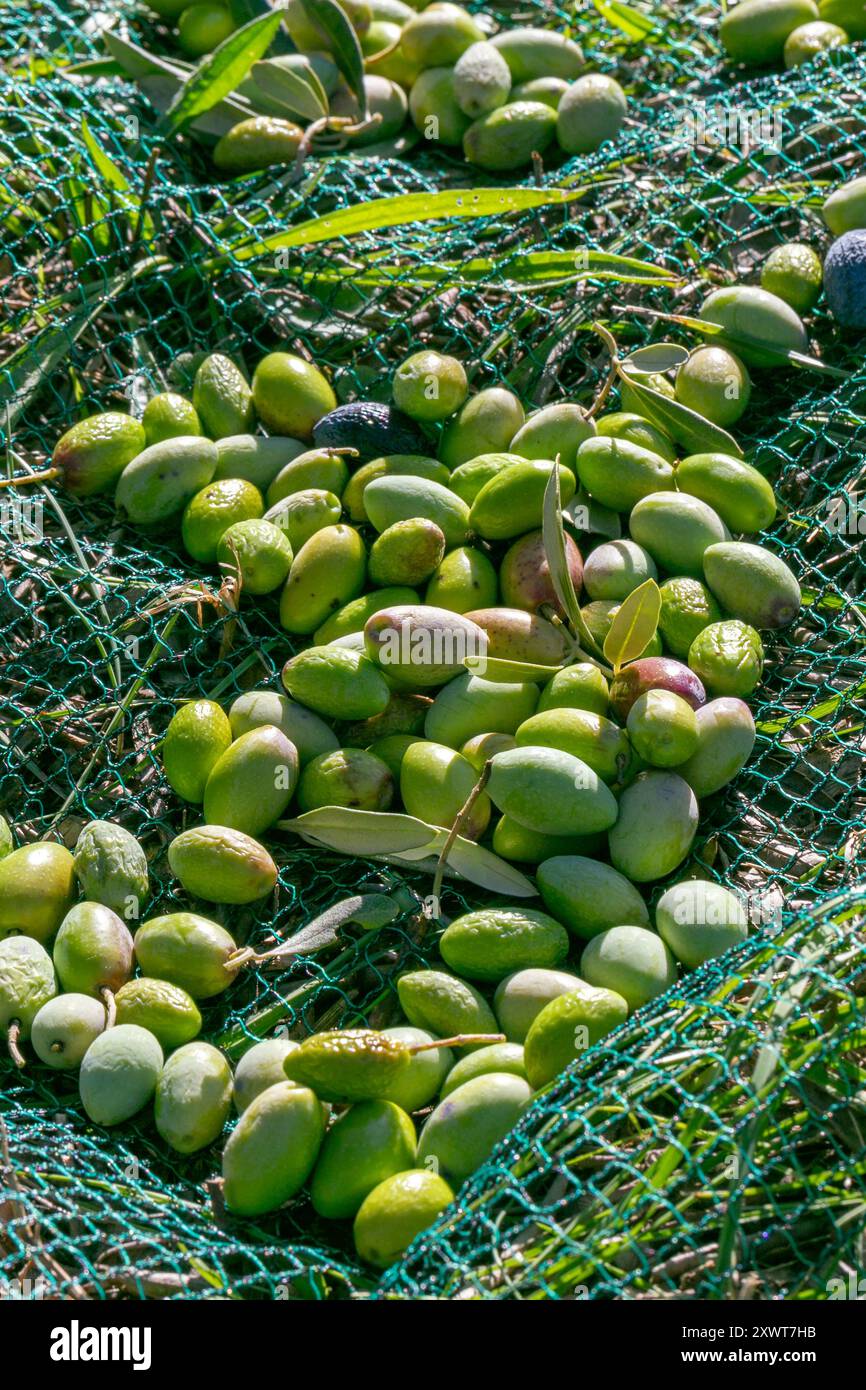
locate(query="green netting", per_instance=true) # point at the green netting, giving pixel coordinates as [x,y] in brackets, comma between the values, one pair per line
[713,1150]
[103,633]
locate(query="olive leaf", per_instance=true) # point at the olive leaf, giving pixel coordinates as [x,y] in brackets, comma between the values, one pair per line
[343,47]
[138,62]
[368,910]
[161,91]
[634,625]
[499,669]
[553,538]
[738,338]
[220,72]
[469,861]
[398,838]
[399,210]
[657,357]
[690,430]
[160,80]
[360,832]
[426,852]
[297,89]
[814,364]
[484,868]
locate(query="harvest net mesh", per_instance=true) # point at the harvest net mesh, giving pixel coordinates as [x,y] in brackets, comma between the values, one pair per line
[715,1142]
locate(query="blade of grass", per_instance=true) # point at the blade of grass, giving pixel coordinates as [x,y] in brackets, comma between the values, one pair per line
[115,179]
[401,210]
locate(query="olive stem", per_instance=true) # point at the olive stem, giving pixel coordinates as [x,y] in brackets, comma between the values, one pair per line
[44,477]
[613,371]
[459,822]
[575,650]
[383,53]
[239,958]
[606,671]
[284,948]
[342,126]
[12,1036]
[460,1040]
[107,997]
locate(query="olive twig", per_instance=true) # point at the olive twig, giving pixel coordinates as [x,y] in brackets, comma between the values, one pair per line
[240,958]
[44,477]
[12,1037]
[613,371]
[575,650]
[107,997]
[459,1040]
[330,132]
[459,822]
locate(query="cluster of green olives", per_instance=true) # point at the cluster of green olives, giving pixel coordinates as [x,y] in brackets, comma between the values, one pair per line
[432,68]
[383,1125]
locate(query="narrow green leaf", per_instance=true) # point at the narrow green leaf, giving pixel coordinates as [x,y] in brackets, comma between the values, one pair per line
[402,209]
[738,338]
[360,832]
[695,434]
[400,838]
[553,538]
[657,357]
[796,359]
[633,23]
[220,72]
[814,364]
[161,90]
[497,668]
[344,45]
[109,171]
[160,80]
[300,92]
[424,855]
[816,714]
[472,862]
[634,625]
